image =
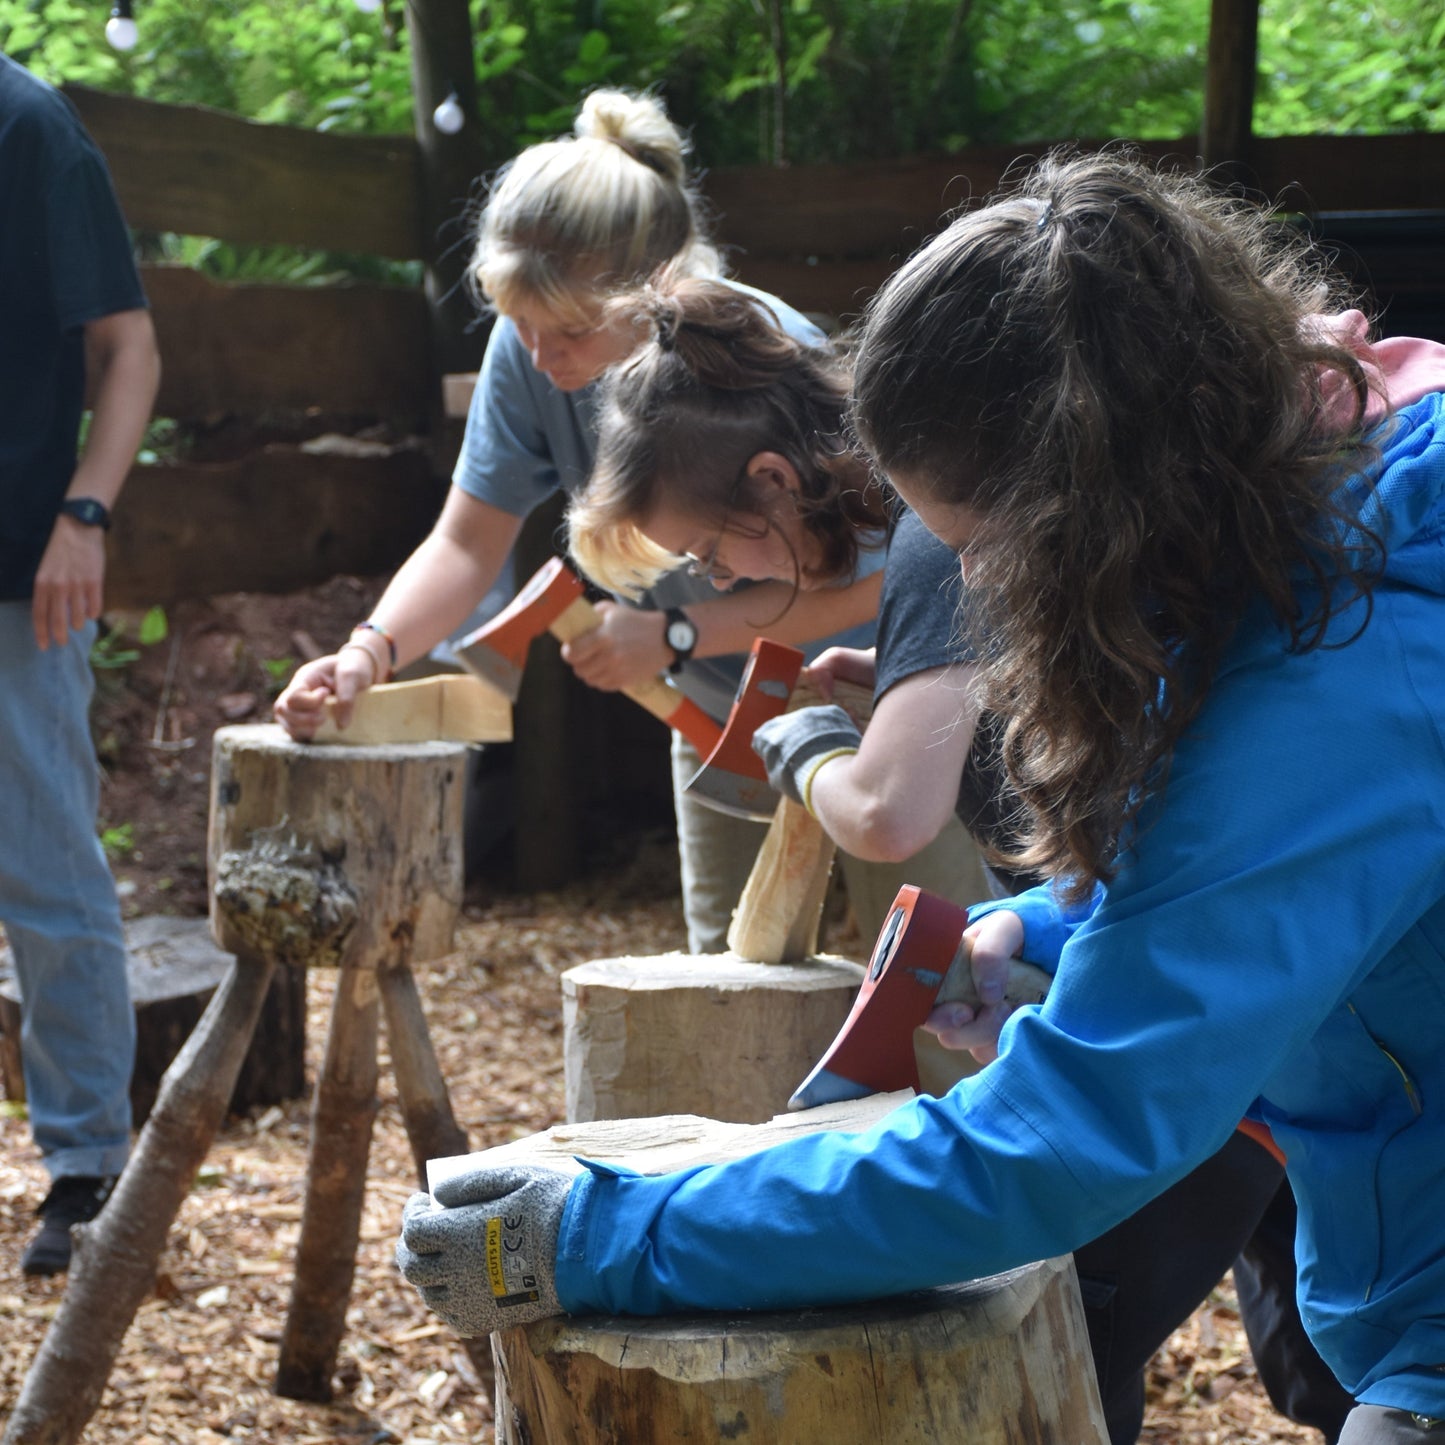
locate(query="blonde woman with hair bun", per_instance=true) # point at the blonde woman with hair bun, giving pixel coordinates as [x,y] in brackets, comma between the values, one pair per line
[568,226]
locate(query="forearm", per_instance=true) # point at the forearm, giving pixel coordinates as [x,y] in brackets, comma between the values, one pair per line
[124,370]
[729,623]
[891,798]
[442,582]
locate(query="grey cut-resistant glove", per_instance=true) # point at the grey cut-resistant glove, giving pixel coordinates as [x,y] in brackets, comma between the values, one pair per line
[483,1249]
[794,745]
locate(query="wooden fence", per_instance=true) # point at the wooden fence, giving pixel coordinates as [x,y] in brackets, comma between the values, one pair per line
[282,516]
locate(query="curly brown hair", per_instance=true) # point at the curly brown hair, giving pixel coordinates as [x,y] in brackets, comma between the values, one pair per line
[717,382]
[1119,372]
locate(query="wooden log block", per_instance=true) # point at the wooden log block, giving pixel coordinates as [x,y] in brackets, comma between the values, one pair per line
[990,1362]
[985,1362]
[728,1036]
[446,708]
[383,823]
[174,967]
[714,1035]
[777,917]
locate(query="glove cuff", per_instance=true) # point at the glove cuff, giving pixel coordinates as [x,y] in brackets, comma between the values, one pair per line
[808,773]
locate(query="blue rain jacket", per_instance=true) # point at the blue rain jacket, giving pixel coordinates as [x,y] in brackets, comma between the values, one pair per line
[1273,945]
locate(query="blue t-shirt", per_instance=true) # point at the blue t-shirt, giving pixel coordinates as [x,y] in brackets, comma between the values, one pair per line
[526,438]
[65,260]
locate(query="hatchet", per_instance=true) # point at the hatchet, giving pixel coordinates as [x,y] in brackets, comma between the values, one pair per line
[732,778]
[919,960]
[553,601]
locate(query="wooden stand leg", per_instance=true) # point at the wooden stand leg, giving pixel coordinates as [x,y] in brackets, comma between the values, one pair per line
[341,1124]
[426,1108]
[114,1263]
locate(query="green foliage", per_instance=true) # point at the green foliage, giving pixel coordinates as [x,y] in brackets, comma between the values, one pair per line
[111,651]
[1339,68]
[278,672]
[314,63]
[805,80]
[118,841]
[154,627]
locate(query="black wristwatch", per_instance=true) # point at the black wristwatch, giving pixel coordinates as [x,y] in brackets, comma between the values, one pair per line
[87,511]
[681,636]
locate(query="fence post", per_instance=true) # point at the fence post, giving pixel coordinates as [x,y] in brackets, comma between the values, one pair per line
[442,67]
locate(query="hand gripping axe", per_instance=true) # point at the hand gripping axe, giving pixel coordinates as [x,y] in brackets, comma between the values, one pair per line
[920,960]
[553,601]
[732,778]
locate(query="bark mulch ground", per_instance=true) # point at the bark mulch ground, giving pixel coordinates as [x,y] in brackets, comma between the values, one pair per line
[197,1365]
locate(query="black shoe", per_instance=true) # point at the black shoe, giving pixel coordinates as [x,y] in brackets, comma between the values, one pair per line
[73,1199]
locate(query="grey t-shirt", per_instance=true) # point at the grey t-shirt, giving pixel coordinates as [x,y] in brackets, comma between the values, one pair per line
[526,438]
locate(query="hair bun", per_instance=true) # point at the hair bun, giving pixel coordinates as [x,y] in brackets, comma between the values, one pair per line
[639,125]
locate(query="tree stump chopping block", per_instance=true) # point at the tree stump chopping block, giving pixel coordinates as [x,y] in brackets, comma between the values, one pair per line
[996,1361]
[713,1034]
[174,967]
[347,857]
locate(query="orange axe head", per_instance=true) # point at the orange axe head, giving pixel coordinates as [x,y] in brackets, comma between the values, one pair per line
[497,651]
[920,959]
[732,778]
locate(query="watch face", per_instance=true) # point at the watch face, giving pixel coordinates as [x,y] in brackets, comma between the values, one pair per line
[86,510]
[681,635]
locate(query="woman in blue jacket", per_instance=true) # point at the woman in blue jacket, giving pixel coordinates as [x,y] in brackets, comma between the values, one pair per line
[1209,541]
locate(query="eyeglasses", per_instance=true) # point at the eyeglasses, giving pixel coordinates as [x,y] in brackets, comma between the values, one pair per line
[709,569]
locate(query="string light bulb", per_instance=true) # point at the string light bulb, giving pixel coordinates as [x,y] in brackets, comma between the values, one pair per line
[121,29]
[449,117]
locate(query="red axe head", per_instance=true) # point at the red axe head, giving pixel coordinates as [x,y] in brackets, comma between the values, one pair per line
[497,651]
[920,959]
[732,778]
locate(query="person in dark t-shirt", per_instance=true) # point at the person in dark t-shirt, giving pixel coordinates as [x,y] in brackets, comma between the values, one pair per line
[72,316]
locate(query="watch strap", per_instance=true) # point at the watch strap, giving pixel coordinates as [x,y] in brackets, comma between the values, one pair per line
[680,655]
[87,511]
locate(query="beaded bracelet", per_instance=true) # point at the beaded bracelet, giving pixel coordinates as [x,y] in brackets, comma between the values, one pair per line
[385,636]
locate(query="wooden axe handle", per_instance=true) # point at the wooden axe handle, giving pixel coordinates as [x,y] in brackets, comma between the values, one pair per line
[661,700]
[1026,982]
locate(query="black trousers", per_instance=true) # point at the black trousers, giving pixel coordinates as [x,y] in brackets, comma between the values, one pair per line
[1146,1276]
[1300,1385]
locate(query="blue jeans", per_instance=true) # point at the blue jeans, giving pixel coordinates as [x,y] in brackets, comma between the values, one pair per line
[59,906]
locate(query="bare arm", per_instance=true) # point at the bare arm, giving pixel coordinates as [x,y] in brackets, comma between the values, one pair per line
[629,646]
[891,798]
[123,370]
[428,599]
[440,584]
